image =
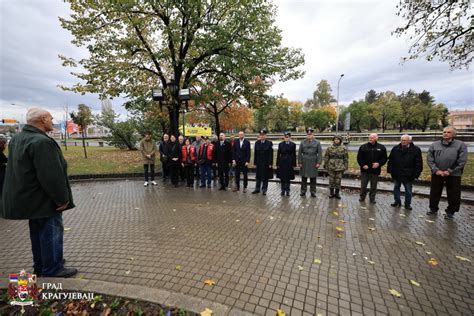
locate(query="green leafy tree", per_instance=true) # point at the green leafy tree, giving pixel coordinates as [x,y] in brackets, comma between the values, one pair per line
[409,101]
[319,119]
[359,114]
[442,29]
[371,96]
[83,117]
[426,112]
[322,95]
[133,45]
[278,118]
[386,109]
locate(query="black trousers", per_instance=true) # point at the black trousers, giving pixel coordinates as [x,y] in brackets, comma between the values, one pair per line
[182,173]
[453,191]
[151,174]
[312,185]
[189,174]
[285,185]
[224,175]
[245,170]
[365,178]
[174,173]
[166,169]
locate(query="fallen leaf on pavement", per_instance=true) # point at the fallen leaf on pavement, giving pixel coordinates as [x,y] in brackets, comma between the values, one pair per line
[174,210]
[354,254]
[363,208]
[372,229]
[339,235]
[131,258]
[210,282]
[341,205]
[318,261]
[419,243]
[257,221]
[421,216]
[339,229]
[370,262]
[237,220]
[433,262]
[271,217]
[127,272]
[206,312]
[137,208]
[371,219]
[429,221]
[342,221]
[280,313]
[428,252]
[300,268]
[463,258]
[66,229]
[335,213]
[414,283]
[395,293]
[179,267]
[402,215]
[319,246]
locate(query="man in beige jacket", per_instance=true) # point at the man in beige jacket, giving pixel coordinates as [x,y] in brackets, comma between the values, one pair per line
[148,150]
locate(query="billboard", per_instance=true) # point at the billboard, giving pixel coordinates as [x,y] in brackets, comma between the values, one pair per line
[193,131]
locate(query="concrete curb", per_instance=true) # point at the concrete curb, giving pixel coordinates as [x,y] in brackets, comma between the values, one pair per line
[135,292]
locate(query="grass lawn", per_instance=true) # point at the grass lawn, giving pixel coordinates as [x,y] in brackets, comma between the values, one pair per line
[113,160]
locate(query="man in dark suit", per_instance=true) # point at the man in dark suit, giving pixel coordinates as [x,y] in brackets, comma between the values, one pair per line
[263,160]
[223,160]
[240,160]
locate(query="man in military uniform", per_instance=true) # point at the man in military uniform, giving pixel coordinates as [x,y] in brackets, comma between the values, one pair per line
[263,161]
[310,156]
[336,161]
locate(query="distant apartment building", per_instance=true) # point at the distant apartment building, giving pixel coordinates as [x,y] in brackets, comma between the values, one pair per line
[461,119]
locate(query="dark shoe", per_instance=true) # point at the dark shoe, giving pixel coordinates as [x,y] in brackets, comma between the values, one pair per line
[313,195]
[264,192]
[287,193]
[235,189]
[302,193]
[372,202]
[282,193]
[432,213]
[65,273]
[209,186]
[221,189]
[331,193]
[396,204]
[202,186]
[408,207]
[255,192]
[337,194]
[245,190]
[449,215]
[361,199]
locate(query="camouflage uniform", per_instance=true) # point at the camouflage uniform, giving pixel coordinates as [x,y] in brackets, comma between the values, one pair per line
[336,160]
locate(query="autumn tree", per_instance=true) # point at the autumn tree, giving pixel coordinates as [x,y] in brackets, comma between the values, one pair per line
[83,117]
[322,95]
[135,45]
[442,29]
[237,118]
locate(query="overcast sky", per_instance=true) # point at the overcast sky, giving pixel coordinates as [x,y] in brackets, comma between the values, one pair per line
[336,36]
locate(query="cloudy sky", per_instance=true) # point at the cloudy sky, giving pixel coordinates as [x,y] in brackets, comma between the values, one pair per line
[350,37]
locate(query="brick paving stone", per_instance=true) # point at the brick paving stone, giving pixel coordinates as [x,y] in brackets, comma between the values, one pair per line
[253,247]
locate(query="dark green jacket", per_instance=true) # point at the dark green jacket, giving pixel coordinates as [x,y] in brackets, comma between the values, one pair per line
[36,179]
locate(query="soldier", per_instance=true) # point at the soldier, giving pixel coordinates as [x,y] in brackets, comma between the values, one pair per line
[336,161]
[286,161]
[310,155]
[263,161]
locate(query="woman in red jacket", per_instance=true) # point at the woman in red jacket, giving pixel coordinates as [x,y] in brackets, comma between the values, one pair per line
[188,161]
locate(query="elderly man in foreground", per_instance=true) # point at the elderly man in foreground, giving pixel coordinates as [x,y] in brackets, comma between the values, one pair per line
[36,188]
[446,158]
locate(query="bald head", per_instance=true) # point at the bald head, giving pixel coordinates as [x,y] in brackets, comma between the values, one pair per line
[40,119]
[373,138]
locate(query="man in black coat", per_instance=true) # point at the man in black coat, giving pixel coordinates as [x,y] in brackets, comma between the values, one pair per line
[241,160]
[164,156]
[405,165]
[286,161]
[371,157]
[223,158]
[263,161]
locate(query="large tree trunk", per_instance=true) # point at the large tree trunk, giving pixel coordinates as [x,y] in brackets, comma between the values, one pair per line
[173,112]
[218,126]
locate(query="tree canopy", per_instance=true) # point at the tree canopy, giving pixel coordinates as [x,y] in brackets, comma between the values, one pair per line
[136,45]
[442,29]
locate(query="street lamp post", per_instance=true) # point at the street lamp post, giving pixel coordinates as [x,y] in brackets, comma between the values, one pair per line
[337,104]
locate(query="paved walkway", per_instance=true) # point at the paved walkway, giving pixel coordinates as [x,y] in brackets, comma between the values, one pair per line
[261,250]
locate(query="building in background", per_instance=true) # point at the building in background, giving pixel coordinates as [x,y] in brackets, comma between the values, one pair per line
[461,119]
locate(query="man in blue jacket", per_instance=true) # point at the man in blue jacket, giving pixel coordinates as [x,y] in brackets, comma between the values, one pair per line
[446,158]
[37,188]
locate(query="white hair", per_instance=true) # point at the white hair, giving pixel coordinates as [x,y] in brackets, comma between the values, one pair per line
[374,135]
[406,136]
[34,114]
[451,128]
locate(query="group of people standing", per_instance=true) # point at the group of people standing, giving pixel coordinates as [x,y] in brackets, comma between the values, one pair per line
[183,158]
